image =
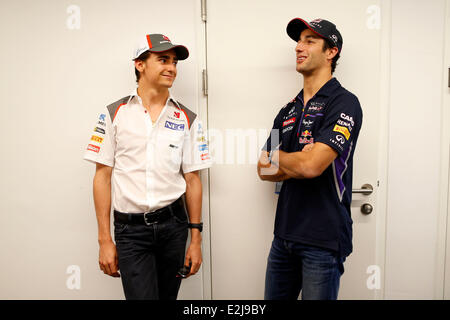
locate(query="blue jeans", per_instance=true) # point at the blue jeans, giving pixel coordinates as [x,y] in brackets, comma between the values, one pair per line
[293,267]
[150,257]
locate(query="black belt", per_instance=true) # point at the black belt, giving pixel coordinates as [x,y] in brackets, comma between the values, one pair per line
[149,218]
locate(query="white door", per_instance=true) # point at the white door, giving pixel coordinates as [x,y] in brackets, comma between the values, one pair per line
[251,68]
[62,62]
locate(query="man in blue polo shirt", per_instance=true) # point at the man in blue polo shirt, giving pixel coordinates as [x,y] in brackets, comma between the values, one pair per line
[310,150]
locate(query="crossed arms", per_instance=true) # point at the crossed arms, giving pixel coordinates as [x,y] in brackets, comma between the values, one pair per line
[309,163]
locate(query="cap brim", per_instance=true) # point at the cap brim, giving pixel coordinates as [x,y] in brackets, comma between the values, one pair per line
[296,26]
[181,51]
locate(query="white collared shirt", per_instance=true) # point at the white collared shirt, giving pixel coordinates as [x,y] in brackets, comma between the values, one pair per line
[148,159]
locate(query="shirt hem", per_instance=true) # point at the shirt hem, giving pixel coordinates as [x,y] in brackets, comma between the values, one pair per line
[106,163]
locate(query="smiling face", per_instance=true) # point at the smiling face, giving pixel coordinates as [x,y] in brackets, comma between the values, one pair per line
[159,70]
[310,53]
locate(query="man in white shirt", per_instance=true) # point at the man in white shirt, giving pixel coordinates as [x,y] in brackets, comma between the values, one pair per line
[148,149]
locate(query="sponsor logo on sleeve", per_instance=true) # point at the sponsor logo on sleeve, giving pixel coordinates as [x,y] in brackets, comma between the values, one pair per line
[205,156]
[348,118]
[345,124]
[342,130]
[292,120]
[97,139]
[174,126]
[176,114]
[203,147]
[340,139]
[99,130]
[102,117]
[102,123]
[93,148]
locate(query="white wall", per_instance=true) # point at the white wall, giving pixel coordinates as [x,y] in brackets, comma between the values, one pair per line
[415,149]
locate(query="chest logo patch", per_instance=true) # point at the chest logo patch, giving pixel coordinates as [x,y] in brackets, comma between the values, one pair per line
[291,120]
[174,126]
[306,137]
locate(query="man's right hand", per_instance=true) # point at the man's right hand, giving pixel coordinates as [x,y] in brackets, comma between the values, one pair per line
[108,259]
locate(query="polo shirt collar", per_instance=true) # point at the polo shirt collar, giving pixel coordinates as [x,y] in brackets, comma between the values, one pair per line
[326,90]
[135,94]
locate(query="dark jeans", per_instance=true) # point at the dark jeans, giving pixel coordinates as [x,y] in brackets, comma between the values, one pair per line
[293,267]
[150,257]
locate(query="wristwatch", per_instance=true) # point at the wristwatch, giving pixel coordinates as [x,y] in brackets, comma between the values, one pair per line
[198,226]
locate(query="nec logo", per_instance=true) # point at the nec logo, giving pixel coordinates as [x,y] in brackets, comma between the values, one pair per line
[174,126]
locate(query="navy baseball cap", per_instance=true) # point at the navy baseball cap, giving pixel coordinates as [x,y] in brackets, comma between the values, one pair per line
[323,28]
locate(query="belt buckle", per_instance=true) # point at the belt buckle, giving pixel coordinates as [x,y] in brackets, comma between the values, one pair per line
[145,218]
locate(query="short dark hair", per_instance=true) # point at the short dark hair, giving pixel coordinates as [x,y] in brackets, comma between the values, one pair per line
[144,56]
[327,45]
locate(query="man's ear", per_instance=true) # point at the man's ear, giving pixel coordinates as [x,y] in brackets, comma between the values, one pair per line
[139,65]
[332,52]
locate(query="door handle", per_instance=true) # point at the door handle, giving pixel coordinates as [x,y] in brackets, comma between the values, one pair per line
[366,189]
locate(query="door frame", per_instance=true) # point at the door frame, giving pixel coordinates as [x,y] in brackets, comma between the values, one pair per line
[383,147]
[442,279]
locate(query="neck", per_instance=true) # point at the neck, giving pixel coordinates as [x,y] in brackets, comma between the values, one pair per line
[152,96]
[313,82]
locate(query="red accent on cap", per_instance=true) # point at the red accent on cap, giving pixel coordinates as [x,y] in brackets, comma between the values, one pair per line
[149,42]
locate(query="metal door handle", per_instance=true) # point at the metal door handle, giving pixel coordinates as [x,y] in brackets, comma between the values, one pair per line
[366,189]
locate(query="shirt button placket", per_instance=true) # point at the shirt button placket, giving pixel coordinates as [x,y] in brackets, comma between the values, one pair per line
[149,158]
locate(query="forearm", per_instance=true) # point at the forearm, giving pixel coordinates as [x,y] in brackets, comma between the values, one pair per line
[194,205]
[102,201]
[268,171]
[295,164]
[273,174]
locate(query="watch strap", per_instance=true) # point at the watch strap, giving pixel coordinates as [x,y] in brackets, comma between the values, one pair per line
[198,226]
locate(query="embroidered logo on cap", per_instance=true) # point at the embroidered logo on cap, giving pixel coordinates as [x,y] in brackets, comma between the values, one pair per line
[334,37]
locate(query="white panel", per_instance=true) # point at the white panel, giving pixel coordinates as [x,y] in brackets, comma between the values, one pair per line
[54,81]
[414,148]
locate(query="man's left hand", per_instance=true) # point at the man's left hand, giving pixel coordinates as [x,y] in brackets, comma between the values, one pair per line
[194,257]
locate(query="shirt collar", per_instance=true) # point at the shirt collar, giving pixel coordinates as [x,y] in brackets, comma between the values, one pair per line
[134,94]
[326,90]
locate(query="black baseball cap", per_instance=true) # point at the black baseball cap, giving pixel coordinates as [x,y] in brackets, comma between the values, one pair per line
[323,28]
[159,43]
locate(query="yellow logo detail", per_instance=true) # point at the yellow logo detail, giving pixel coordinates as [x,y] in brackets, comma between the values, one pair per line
[97,139]
[342,130]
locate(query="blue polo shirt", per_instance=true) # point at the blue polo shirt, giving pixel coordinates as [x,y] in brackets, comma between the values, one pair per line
[316,211]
